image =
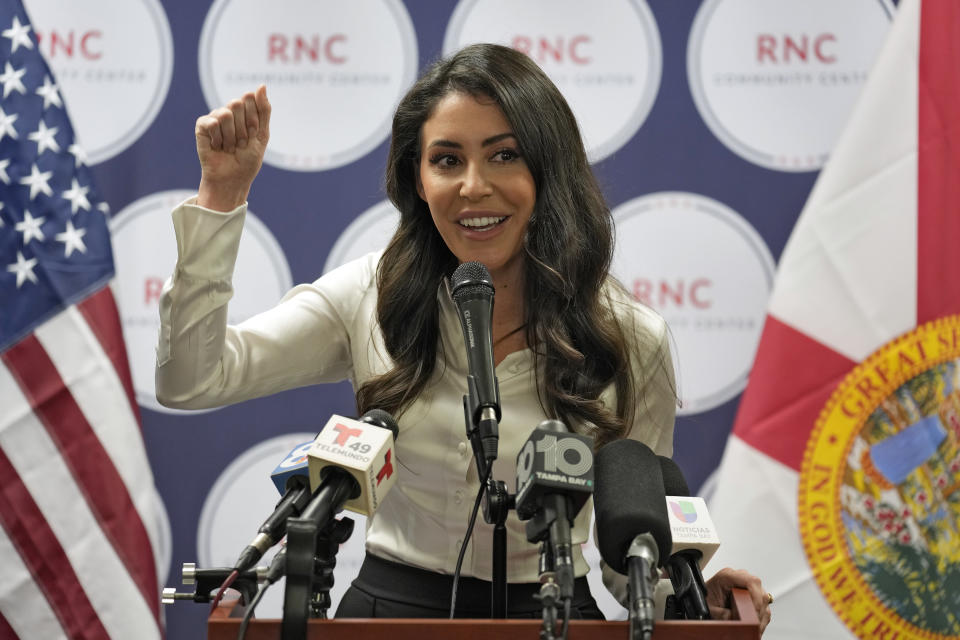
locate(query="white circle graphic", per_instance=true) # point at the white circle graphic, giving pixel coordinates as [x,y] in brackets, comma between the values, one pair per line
[145,252]
[604,57]
[708,272]
[238,503]
[113,61]
[334,72]
[775,81]
[370,231]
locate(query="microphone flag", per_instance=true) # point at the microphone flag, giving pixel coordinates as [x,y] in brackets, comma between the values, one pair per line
[364,450]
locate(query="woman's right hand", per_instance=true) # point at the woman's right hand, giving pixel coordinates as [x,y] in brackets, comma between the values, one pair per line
[231,142]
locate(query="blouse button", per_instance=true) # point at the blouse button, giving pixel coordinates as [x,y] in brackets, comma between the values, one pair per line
[462,448]
[458,496]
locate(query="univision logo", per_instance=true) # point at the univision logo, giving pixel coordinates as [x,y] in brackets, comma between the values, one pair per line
[684,510]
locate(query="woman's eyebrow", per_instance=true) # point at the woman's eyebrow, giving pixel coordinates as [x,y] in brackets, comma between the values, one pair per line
[485,143]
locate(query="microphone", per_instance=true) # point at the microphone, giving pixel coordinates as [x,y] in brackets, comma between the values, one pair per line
[695,541]
[633,528]
[351,465]
[554,481]
[472,290]
[292,480]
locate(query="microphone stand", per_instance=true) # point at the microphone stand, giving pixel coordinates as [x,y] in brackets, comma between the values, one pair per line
[496,505]
[497,501]
[312,543]
[549,591]
[642,560]
[683,567]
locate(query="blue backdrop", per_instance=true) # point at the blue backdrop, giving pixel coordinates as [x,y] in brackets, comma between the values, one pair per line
[673,150]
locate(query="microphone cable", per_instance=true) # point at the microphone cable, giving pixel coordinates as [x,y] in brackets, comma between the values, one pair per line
[274,573]
[466,540]
[223,588]
[248,614]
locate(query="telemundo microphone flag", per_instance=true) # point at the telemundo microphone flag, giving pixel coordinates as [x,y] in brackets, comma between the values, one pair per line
[840,484]
[77,501]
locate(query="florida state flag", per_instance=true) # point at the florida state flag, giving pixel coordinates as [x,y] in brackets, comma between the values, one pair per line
[840,485]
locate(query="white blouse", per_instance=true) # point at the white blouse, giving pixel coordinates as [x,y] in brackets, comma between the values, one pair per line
[327,331]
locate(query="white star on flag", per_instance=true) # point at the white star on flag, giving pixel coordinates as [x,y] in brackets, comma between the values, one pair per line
[6,124]
[49,93]
[24,269]
[3,171]
[30,228]
[77,196]
[18,35]
[44,137]
[11,80]
[72,239]
[79,155]
[38,181]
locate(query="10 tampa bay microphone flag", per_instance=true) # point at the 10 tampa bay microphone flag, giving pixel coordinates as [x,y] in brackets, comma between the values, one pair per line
[78,508]
[840,485]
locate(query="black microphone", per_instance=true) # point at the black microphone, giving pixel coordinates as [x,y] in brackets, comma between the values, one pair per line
[633,528]
[473,291]
[684,563]
[293,480]
[554,481]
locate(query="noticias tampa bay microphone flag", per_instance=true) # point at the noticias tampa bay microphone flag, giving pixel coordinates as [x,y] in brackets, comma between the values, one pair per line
[76,493]
[840,484]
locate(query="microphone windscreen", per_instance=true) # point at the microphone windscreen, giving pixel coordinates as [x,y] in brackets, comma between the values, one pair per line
[674,484]
[629,500]
[471,279]
[382,419]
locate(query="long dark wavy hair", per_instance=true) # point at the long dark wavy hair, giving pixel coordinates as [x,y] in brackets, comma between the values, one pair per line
[578,342]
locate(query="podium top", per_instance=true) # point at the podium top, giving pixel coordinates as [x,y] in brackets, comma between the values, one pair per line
[224,624]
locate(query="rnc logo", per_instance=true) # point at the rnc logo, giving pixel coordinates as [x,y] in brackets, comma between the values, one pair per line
[558,49]
[775,81]
[335,70]
[708,272]
[607,62]
[684,511]
[111,52]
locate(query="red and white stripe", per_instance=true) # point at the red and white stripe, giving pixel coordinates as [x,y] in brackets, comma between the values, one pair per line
[78,505]
[871,257]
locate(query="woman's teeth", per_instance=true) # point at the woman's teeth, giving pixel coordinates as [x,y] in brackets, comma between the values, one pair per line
[481,223]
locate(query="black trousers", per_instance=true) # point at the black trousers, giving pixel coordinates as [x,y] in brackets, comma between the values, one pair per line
[385,589]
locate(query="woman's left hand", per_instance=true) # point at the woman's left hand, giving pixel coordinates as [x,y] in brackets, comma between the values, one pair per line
[718,594]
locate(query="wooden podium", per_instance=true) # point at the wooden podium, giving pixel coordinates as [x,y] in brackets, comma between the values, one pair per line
[224,624]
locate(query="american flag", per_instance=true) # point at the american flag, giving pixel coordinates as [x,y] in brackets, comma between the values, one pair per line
[78,507]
